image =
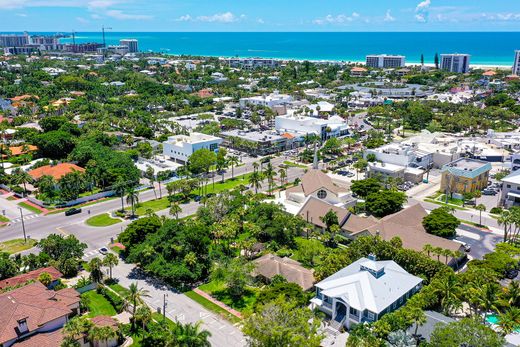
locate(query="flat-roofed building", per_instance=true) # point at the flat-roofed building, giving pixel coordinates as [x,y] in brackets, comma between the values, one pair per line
[181,147]
[384,61]
[516,63]
[132,45]
[456,62]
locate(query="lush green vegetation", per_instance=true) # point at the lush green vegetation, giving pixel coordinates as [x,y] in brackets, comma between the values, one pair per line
[211,306]
[30,207]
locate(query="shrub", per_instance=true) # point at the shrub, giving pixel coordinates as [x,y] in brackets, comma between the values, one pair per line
[441,222]
[496,210]
[112,297]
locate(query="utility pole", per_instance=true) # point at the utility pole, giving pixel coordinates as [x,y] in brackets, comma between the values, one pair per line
[23,225]
[103,31]
[164,306]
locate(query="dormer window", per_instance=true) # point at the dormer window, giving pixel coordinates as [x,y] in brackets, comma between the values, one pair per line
[322,194]
[22,326]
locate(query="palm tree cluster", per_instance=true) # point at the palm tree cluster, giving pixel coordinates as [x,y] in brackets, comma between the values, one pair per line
[80,326]
[510,220]
[441,252]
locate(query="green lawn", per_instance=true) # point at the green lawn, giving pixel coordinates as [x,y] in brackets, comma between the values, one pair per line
[219,291]
[442,198]
[119,289]
[437,202]
[158,317]
[212,307]
[98,305]
[16,245]
[102,220]
[29,207]
[4,219]
[162,204]
[293,164]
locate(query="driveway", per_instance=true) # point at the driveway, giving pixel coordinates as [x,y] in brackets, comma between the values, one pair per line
[181,308]
[481,242]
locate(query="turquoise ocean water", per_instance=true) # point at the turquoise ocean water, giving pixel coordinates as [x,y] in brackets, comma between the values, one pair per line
[493,48]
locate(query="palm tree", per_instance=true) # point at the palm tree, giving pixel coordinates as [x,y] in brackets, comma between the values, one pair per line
[134,297]
[161,176]
[132,198]
[480,208]
[511,295]
[22,177]
[4,152]
[120,188]
[418,316]
[175,209]
[150,174]
[487,297]
[438,252]
[428,249]
[270,174]
[255,166]
[95,270]
[76,327]
[448,290]
[283,175]
[509,320]
[191,335]
[505,219]
[233,161]
[101,334]
[110,260]
[256,180]
[143,314]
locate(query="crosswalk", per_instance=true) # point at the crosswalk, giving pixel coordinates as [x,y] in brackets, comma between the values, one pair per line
[25,218]
[91,254]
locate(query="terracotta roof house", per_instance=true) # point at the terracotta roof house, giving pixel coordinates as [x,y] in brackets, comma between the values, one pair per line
[31,275]
[50,339]
[34,309]
[271,265]
[317,184]
[18,150]
[56,171]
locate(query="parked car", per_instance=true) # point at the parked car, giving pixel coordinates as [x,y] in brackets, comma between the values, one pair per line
[103,250]
[511,274]
[72,211]
[489,192]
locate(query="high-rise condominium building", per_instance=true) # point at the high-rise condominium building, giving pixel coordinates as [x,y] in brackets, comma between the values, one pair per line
[132,45]
[516,63]
[458,63]
[385,61]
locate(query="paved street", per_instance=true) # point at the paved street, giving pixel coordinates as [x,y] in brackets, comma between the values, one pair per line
[181,308]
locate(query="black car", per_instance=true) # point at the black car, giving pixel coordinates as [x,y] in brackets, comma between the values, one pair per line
[511,274]
[72,211]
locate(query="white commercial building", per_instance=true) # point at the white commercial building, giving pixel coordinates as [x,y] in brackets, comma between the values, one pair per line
[516,63]
[385,61]
[335,126]
[511,189]
[458,63]
[132,45]
[402,154]
[270,100]
[181,147]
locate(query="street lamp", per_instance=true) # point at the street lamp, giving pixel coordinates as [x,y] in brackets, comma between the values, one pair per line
[23,224]
[164,306]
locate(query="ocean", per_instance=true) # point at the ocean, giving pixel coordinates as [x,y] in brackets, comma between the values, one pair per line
[486,48]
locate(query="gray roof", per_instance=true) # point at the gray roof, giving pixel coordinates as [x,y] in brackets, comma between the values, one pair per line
[432,320]
[362,289]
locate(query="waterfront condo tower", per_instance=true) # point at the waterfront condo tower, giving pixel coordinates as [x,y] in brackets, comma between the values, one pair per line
[516,63]
[458,63]
[384,61]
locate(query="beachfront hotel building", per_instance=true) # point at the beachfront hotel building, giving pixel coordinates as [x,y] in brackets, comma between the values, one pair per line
[458,63]
[516,63]
[384,61]
[132,45]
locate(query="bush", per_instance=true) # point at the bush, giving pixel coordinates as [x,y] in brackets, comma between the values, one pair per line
[496,210]
[114,299]
[441,222]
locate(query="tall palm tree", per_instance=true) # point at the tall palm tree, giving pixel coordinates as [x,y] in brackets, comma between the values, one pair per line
[132,198]
[191,335]
[233,161]
[505,219]
[255,166]
[283,175]
[95,270]
[175,209]
[120,188]
[269,173]
[76,327]
[22,177]
[110,260]
[487,297]
[135,297]
[428,249]
[256,180]
[418,316]
[448,289]
[480,208]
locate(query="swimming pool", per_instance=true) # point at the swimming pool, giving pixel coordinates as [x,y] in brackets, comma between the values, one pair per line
[493,319]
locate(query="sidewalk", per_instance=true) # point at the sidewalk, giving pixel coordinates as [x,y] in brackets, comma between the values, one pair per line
[218,303]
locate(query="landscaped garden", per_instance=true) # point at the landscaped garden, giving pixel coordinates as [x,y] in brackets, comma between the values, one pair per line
[98,305]
[219,290]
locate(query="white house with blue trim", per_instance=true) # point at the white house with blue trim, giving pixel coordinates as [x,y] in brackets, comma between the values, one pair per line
[364,291]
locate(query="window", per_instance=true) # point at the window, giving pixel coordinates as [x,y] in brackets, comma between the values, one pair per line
[322,194]
[508,186]
[353,311]
[370,315]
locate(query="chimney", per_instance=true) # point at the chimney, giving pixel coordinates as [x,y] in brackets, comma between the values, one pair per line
[372,257]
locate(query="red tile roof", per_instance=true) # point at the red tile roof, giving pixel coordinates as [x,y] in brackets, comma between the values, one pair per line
[36,304]
[104,321]
[31,275]
[56,171]
[50,339]
[19,150]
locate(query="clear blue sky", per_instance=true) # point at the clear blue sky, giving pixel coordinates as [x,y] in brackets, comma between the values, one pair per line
[264,15]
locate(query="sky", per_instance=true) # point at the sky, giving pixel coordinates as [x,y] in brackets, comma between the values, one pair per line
[256,15]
